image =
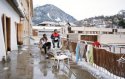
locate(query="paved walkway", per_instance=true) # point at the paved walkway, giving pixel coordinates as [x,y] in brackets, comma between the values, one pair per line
[30,63]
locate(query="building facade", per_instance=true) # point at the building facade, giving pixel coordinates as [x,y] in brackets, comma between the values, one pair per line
[15,24]
[38,31]
[103,35]
[95,30]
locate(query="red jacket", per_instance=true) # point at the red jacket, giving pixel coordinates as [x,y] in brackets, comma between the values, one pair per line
[54,35]
[96,44]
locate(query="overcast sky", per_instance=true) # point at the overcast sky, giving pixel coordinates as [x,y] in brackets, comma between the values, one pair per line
[81,9]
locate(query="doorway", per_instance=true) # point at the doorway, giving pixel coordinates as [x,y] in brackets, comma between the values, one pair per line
[7,32]
[19,33]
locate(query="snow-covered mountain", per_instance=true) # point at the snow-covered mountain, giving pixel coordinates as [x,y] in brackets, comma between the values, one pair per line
[50,12]
[113,21]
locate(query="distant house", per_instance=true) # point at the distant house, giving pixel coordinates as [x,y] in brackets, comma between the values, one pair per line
[15,24]
[95,30]
[56,24]
[98,23]
[49,23]
[103,35]
[48,28]
[39,31]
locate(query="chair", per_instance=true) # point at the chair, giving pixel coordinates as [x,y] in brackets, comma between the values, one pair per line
[60,56]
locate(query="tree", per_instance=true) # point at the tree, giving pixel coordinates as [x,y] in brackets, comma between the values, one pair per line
[122,23]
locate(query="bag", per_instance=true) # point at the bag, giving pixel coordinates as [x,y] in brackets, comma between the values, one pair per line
[56,39]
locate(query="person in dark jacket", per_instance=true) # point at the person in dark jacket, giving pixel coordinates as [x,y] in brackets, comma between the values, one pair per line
[55,38]
[44,43]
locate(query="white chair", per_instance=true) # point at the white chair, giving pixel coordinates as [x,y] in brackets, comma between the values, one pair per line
[60,57]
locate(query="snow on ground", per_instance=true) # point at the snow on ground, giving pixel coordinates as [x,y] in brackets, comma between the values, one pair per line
[100,73]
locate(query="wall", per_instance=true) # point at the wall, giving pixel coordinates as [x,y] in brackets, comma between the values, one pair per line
[112,39]
[6,9]
[74,36]
[48,30]
[102,38]
[91,29]
[27,7]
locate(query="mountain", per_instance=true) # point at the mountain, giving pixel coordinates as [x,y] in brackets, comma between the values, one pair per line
[114,21]
[50,12]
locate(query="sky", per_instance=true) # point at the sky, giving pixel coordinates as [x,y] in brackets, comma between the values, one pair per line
[81,9]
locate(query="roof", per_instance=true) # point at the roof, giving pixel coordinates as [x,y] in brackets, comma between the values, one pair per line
[44,27]
[57,23]
[15,5]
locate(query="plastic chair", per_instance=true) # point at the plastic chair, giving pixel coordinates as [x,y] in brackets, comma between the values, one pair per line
[59,56]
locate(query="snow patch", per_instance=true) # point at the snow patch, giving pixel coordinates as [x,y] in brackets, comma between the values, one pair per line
[96,72]
[58,19]
[49,15]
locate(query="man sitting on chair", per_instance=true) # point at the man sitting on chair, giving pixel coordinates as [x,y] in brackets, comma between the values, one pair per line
[44,43]
[55,38]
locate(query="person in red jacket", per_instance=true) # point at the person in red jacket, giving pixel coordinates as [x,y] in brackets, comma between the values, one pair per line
[96,44]
[55,38]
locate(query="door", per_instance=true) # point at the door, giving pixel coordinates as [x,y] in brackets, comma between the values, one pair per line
[7,32]
[19,33]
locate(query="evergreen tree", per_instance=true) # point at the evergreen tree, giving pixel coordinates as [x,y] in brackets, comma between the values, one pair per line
[122,23]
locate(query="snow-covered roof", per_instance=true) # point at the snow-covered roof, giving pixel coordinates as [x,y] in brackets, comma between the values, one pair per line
[56,23]
[43,27]
[49,22]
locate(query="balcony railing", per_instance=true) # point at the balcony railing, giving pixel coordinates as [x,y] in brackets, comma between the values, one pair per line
[110,58]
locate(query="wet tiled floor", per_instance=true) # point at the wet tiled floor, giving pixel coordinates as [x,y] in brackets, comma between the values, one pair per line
[29,63]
